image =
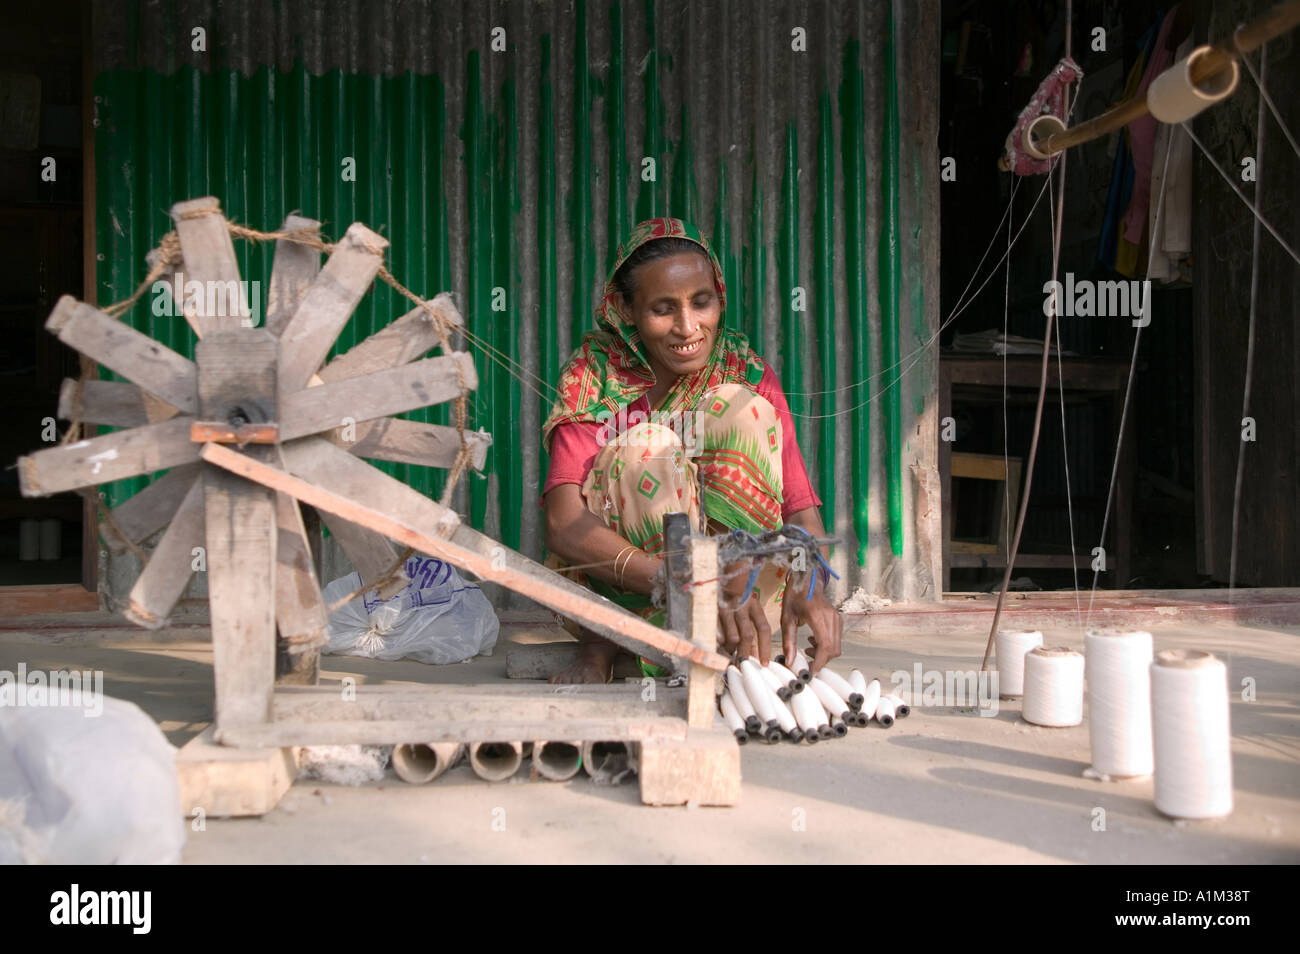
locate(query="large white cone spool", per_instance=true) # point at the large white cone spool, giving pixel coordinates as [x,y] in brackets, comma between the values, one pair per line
[1012,644]
[1192,735]
[1053,687]
[1119,702]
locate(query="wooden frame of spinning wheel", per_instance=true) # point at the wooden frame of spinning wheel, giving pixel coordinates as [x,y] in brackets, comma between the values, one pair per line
[257,424]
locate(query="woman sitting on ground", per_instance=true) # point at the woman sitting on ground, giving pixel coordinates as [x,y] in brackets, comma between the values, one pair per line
[659,366]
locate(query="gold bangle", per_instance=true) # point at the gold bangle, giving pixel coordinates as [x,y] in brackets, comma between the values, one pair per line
[618,573]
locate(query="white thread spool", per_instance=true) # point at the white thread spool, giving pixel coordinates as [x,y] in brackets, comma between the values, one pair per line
[885,711]
[1011,647]
[870,701]
[1192,736]
[736,689]
[29,540]
[1053,687]
[841,685]
[1172,97]
[1119,702]
[760,696]
[735,721]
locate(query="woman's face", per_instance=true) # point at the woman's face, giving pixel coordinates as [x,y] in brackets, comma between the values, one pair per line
[675,308]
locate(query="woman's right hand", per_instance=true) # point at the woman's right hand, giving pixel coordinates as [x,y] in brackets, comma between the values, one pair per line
[742,629]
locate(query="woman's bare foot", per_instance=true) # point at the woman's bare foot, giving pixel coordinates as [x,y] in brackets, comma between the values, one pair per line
[595,665]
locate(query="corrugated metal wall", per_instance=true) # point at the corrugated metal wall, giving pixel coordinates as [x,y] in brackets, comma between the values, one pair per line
[505,148]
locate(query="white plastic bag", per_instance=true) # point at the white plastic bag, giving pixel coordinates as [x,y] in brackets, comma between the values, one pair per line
[438,618]
[92,791]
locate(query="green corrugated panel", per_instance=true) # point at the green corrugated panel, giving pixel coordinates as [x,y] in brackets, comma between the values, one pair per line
[548,307]
[787,269]
[281,145]
[824,302]
[650,198]
[853,146]
[616,123]
[269,142]
[580,192]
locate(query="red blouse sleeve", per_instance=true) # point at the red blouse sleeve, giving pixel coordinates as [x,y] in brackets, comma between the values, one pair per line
[797,490]
[573,449]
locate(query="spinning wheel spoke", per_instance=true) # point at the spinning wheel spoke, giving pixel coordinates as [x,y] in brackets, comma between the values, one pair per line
[148,511]
[364,398]
[130,353]
[210,260]
[111,403]
[413,442]
[293,270]
[102,460]
[409,337]
[164,577]
[327,305]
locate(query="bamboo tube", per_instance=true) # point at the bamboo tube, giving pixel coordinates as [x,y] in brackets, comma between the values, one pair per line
[495,761]
[1221,56]
[557,761]
[422,763]
[606,761]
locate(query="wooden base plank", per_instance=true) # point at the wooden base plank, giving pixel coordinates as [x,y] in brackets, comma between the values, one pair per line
[701,769]
[102,460]
[335,481]
[543,660]
[225,782]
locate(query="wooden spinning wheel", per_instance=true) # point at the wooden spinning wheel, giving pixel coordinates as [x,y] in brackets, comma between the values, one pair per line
[257,424]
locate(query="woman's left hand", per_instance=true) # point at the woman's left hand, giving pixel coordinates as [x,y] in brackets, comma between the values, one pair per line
[824,619]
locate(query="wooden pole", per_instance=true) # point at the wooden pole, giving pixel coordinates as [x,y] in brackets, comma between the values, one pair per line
[1281,19]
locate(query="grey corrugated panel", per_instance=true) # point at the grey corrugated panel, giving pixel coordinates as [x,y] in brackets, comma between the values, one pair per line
[348,77]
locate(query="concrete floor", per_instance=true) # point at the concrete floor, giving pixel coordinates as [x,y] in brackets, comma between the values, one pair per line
[944,785]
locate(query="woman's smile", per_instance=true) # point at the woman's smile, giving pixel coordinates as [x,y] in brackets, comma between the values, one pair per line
[676,309]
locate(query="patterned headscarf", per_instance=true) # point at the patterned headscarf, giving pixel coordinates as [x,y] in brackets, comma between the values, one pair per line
[610,369]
